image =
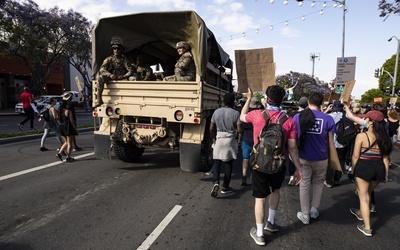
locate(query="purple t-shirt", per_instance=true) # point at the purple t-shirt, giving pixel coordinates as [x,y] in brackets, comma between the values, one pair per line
[316,145]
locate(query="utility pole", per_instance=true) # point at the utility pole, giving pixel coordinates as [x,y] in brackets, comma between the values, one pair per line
[313,56]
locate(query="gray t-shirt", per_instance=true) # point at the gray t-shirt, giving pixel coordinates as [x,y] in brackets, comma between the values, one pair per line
[226,119]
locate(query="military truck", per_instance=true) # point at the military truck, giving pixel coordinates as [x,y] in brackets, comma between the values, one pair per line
[137,115]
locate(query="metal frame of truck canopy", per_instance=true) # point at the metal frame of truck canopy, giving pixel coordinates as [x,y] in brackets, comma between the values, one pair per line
[156,30]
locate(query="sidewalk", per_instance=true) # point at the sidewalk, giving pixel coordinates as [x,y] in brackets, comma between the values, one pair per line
[9,111]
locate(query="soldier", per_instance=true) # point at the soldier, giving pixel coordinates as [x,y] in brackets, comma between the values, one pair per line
[115,67]
[142,71]
[185,70]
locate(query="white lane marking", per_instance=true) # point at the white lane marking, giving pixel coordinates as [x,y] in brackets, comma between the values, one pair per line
[158,230]
[5,177]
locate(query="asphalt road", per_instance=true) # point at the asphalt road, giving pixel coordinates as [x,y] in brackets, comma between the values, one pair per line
[109,204]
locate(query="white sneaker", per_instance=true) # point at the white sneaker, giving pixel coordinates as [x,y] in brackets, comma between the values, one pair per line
[305,218]
[314,214]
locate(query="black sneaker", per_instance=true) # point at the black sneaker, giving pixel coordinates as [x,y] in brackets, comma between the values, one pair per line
[21,127]
[59,157]
[43,149]
[244,181]
[77,149]
[226,190]
[214,191]
[32,129]
[273,228]
[69,159]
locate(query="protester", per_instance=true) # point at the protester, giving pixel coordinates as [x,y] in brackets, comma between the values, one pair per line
[247,140]
[68,130]
[265,185]
[51,125]
[370,163]
[72,105]
[314,155]
[225,129]
[27,102]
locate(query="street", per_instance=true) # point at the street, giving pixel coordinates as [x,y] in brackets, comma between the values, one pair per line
[110,204]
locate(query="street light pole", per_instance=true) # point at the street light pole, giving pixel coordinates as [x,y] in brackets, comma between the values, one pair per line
[396,63]
[343,3]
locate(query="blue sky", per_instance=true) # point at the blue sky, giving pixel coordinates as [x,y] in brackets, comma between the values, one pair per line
[236,23]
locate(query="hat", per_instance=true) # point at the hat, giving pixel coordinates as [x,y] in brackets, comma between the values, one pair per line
[67,96]
[303,102]
[255,103]
[337,106]
[374,115]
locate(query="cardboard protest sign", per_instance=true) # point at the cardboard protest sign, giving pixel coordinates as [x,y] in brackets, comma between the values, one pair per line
[378,99]
[333,162]
[346,94]
[78,84]
[255,69]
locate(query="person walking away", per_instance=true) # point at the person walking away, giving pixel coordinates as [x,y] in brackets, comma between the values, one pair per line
[68,131]
[393,126]
[303,104]
[370,163]
[247,140]
[314,154]
[225,129]
[333,176]
[27,102]
[72,105]
[51,125]
[268,185]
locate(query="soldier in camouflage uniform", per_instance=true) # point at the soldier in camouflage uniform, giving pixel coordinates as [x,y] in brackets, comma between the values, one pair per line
[115,67]
[142,72]
[185,69]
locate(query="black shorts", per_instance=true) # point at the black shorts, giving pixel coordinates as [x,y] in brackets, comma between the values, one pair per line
[370,170]
[263,184]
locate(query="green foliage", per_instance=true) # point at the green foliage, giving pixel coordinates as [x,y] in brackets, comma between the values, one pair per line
[374,93]
[384,79]
[42,39]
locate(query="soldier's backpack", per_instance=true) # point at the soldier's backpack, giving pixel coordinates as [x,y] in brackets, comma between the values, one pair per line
[267,155]
[45,113]
[346,131]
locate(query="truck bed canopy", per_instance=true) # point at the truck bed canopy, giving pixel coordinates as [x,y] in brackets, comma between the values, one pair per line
[155,34]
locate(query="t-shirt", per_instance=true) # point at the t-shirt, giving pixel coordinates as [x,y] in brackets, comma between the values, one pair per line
[336,118]
[226,119]
[316,144]
[26,99]
[257,119]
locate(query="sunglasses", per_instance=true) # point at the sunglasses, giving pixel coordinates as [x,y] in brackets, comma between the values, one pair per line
[116,48]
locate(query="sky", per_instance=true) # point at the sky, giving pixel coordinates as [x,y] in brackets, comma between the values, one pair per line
[298,31]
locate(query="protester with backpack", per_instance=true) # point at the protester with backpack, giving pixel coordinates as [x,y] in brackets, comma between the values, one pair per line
[50,117]
[314,155]
[264,184]
[346,133]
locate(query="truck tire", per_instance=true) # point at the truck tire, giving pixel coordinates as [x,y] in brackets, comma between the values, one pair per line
[125,151]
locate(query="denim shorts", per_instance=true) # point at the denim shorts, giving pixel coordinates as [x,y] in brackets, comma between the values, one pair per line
[246,150]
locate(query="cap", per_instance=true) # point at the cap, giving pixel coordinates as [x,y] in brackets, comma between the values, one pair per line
[337,106]
[303,102]
[67,96]
[374,115]
[255,103]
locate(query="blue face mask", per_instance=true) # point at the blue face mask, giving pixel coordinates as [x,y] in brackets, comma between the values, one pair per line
[364,124]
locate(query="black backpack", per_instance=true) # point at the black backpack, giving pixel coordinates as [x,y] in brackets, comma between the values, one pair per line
[267,155]
[346,131]
[45,113]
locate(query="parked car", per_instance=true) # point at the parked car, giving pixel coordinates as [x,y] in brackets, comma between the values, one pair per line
[41,102]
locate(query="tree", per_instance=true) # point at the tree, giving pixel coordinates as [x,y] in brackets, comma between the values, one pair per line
[305,84]
[389,8]
[43,39]
[384,79]
[374,93]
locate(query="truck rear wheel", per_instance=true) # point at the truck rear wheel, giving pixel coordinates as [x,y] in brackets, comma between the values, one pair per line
[125,151]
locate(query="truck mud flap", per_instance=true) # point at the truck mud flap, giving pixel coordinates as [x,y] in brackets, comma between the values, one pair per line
[102,144]
[189,156]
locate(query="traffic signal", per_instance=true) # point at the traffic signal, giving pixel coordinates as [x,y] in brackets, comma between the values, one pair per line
[376,73]
[387,92]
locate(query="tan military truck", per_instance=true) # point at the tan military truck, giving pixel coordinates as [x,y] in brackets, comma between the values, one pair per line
[145,114]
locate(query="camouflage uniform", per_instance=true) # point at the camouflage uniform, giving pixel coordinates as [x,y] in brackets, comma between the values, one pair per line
[143,73]
[185,69]
[112,65]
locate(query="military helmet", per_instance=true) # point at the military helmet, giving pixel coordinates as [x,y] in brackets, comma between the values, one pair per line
[182,44]
[116,41]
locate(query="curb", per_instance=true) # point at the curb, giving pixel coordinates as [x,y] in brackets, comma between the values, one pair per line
[35,136]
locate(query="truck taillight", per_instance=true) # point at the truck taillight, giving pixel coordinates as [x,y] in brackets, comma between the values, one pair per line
[196,120]
[109,111]
[178,115]
[197,115]
[95,114]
